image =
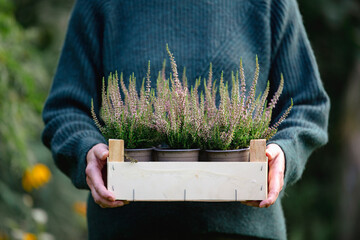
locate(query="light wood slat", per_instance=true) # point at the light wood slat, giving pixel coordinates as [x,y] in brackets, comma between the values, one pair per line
[188,181]
[257,150]
[116,150]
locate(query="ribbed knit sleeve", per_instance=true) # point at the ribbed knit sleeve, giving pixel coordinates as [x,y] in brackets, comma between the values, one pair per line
[305,129]
[69,129]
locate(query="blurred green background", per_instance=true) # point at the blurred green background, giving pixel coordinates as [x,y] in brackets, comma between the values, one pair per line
[325,204]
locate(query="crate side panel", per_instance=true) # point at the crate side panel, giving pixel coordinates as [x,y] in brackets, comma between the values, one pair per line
[188,181]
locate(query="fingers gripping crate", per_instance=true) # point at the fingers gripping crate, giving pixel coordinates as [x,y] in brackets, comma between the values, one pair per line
[188,181]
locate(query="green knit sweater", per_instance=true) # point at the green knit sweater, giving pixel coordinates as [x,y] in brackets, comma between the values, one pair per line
[106,36]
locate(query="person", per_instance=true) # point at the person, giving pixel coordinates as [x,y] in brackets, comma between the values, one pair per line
[107,36]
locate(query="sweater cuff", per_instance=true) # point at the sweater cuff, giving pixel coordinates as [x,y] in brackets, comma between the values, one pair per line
[293,168]
[85,144]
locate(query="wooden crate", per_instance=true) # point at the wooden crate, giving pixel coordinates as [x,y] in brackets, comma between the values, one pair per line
[188,181]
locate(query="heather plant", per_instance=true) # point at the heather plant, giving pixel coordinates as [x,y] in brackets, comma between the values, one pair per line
[176,109]
[239,117]
[183,118]
[131,119]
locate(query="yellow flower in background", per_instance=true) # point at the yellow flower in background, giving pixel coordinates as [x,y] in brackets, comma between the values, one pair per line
[80,208]
[29,236]
[26,181]
[35,177]
[41,175]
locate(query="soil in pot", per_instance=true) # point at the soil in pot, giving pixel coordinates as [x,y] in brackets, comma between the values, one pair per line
[140,155]
[177,155]
[238,155]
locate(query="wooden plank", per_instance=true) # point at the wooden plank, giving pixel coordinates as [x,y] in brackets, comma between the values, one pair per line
[188,181]
[258,150]
[116,150]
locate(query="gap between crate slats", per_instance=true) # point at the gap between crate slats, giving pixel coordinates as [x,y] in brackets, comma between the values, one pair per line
[188,181]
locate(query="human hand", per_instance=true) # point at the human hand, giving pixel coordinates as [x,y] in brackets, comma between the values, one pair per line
[276,160]
[96,160]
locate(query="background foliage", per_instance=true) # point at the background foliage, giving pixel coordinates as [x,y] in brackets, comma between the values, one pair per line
[325,204]
[29,47]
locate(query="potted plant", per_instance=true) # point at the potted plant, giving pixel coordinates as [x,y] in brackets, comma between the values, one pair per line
[226,130]
[130,119]
[176,113]
[184,120]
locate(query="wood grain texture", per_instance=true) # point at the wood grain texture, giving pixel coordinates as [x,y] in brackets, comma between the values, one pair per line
[188,181]
[258,150]
[116,150]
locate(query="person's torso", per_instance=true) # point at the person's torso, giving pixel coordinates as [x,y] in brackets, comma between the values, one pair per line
[197,32]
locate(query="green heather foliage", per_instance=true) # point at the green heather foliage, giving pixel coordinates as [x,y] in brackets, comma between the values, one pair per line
[131,119]
[182,118]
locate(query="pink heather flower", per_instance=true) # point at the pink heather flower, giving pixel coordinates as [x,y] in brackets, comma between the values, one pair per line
[276,97]
[249,105]
[285,114]
[260,107]
[148,85]
[243,84]
[177,83]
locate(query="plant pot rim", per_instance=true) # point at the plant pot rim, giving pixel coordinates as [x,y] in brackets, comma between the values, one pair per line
[176,149]
[232,150]
[138,149]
